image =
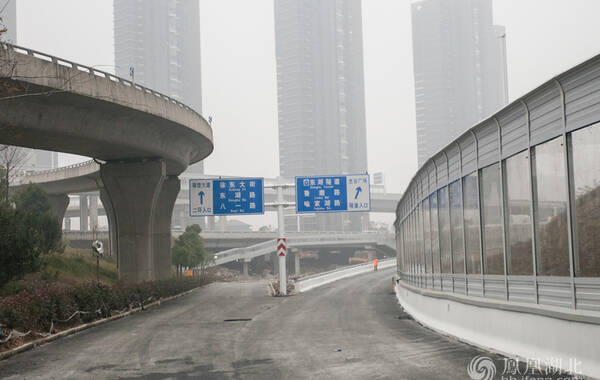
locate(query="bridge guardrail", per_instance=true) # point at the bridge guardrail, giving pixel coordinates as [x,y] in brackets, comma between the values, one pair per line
[62,168]
[246,252]
[320,279]
[93,71]
[270,245]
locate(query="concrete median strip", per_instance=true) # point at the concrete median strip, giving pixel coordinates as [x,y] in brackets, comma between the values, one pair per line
[307,283]
[38,342]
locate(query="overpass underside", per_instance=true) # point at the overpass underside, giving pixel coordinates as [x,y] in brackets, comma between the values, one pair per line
[142,140]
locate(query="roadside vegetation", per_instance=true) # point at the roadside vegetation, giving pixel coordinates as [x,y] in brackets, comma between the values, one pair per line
[28,233]
[188,251]
[46,286]
[45,308]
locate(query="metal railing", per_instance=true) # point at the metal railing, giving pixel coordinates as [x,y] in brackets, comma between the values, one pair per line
[92,71]
[310,282]
[62,168]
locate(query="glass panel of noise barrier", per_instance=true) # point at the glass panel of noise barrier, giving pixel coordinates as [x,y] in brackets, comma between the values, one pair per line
[444,217]
[472,233]
[585,145]
[550,209]
[518,194]
[456,226]
[491,207]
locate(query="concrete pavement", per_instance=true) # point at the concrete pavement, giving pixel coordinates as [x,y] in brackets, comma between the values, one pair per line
[350,329]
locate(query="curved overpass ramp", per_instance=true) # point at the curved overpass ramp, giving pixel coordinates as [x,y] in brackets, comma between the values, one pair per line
[142,139]
[54,104]
[295,240]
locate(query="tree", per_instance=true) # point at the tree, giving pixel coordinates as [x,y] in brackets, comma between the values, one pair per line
[19,252]
[27,230]
[12,160]
[188,250]
[32,202]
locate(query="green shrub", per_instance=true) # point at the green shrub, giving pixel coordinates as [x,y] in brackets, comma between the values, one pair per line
[42,302]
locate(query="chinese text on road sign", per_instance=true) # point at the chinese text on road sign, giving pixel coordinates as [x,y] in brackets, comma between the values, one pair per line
[343,193]
[226,196]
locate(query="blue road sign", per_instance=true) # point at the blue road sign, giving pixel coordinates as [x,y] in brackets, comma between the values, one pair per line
[226,196]
[340,193]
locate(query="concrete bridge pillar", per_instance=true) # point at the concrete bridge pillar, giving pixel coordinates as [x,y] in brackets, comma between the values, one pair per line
[58,207]
[210,225]
[162,227]
[112,224]
[222,223]
[93,212]
[297,262]
[133,190]
[245,265]
[371,253]
[83,213]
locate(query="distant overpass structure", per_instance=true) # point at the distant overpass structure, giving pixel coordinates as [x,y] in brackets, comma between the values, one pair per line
[82,179]
[140,140]
[223,241]
[306,240]
[245,246]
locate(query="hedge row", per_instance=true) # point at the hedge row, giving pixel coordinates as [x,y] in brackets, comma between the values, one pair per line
[42,302]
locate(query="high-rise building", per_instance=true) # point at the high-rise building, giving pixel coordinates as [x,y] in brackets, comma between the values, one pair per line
[35,159]
[320,96]
[459,67]
[8,14]
[40,160]
[157,44]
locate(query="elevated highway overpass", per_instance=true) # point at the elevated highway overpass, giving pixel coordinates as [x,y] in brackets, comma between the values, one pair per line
[82,178]
[245,246]
[305,240]
[140,139]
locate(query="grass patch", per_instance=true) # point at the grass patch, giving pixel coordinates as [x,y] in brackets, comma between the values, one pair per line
[78,265]
[73,266]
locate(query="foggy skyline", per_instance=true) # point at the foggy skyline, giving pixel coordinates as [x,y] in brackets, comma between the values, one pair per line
[321,97]
[238,68]
[173,68]
[460,69]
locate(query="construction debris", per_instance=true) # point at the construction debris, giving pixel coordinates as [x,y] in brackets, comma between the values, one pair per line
[274,288]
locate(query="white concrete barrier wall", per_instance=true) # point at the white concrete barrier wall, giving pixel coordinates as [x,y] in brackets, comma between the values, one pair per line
[552,341]
[311,282]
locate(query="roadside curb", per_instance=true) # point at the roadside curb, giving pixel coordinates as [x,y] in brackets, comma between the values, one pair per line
[38,342]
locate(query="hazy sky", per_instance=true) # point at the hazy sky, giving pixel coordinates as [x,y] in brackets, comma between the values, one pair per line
[544,38]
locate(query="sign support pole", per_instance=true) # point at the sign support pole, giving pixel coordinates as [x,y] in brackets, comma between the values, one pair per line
[281,247]
[281,237]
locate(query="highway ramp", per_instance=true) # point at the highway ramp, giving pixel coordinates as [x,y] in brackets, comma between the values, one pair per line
[350,329]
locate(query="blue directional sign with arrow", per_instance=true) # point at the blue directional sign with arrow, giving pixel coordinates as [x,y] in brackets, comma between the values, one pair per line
[226,196]
[358,190]
[340,193]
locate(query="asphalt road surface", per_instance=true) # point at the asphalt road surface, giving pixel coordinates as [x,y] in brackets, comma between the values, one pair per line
[350,329]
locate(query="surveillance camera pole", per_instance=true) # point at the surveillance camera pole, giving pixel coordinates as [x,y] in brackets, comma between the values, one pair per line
[97,250]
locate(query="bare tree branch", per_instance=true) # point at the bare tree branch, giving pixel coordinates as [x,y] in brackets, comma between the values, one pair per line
[12,161]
